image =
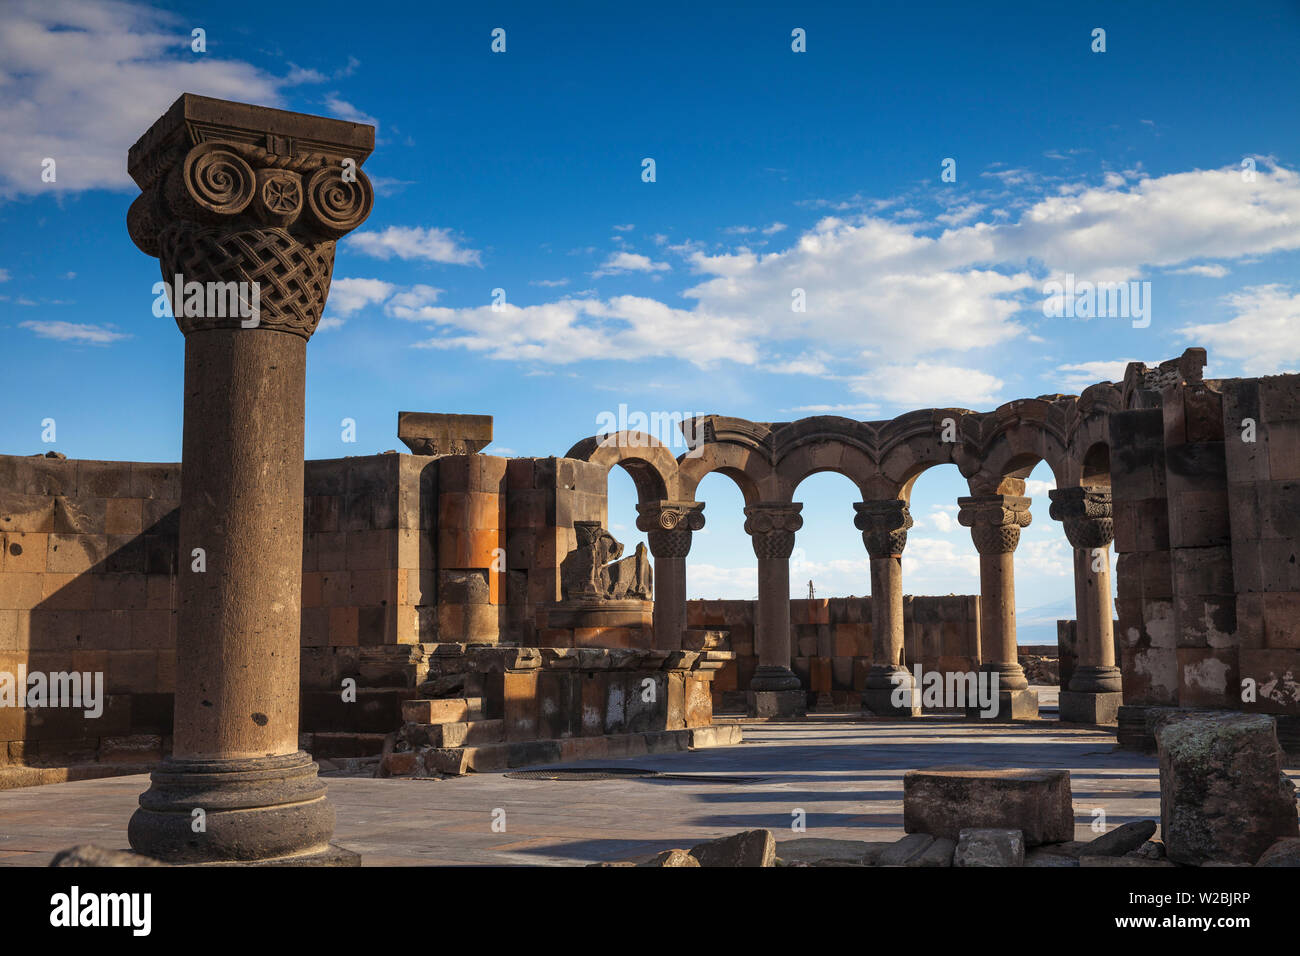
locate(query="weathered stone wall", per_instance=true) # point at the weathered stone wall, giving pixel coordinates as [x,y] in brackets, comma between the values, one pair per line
[831,643]
[1264,515]
[87,566]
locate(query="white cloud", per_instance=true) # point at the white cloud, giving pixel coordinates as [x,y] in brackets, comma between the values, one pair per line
[4,275]
[866,407]
[1263,337]
[346,111]
[627,227]
[1080,375]
[1210,272]
[415,303]
[414,242]
[943,520]
[72,332]
[774,228]
[349,296]
[1038,489]
[83,81]
[927,384]
[620,262]
[550,283]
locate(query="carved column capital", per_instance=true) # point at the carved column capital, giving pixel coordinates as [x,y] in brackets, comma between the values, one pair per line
[244,204]
[1086,513]
[668,525]
[883,525]
[994,521]
[772,525]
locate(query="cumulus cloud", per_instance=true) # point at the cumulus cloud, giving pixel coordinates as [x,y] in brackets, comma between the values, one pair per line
[1209,272]
[349,296]
[430,244]
[926,383]
[1262,337]
[1080,375]
[82,81]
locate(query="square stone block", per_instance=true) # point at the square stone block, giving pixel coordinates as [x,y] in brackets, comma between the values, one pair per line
[1012,705]
[777,703]
[881,704]
[943,801]
[1083,708]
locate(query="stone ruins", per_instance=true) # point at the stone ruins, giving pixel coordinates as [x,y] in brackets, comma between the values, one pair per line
[444,611]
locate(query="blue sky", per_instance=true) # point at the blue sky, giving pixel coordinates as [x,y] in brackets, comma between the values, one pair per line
[775,170]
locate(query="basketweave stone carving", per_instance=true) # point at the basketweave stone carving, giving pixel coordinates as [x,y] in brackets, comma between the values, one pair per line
[772,526]
[883,525]
[668,525]
[995,521]
[228,197]
[1086,514]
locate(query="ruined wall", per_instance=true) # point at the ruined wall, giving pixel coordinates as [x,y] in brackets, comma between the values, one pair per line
[1206,483]
[88,553]
[831,643]
[1264,514]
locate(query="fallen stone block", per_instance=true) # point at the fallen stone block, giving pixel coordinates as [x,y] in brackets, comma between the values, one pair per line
[1046,856]
[943,801]
[1120,861]
[1223,796]
[748,848]
[903,851]
[989,847]
[671,858]
[938,853]
[1285,852]
[87,854]
[818,851]
[1123,839]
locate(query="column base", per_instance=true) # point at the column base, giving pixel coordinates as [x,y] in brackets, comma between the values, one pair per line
[881,703]
[259,810]
[777,703]
[1011,705]
[1095,680]
[769,677]
[1086,708]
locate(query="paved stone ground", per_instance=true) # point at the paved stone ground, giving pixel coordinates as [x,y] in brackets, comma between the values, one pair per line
[845,775]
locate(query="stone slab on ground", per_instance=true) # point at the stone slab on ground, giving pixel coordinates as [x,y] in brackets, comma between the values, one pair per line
[943,801]
[1123,839]
[815,850]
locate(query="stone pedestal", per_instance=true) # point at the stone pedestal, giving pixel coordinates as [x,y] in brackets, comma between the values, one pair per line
[242,205]
[1012,705]
[1090,708]
[668,526]
[884,527]
[777,703]
[771,527]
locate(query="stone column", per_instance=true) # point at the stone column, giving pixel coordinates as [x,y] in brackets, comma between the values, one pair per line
[245,201]
[1094,695]
[995,522]
[775,690]
[884,527]
[668,525]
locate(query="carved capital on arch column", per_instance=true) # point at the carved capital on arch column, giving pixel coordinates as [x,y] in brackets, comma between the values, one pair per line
[245,204]
[883,525]
[772,525]
[994,521]
[1086,514]
[668,525]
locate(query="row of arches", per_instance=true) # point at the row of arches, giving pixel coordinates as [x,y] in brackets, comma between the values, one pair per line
[995,452]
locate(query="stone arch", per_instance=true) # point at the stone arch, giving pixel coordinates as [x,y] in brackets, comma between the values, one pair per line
[651,464]
[1015,439]
[751,472]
